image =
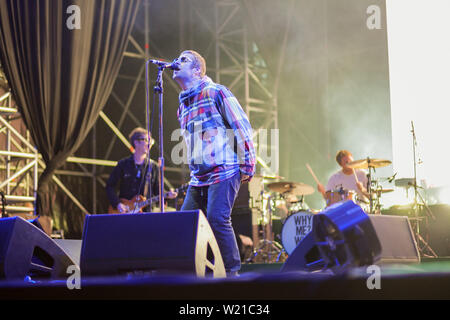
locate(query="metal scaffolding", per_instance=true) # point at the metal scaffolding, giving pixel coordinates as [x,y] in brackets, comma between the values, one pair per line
[19,161]
[237,64]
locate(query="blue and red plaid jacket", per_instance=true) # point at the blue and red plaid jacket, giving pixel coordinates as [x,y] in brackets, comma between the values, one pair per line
[217,133]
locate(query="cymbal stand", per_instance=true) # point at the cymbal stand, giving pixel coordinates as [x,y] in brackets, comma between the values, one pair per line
[416,230]
[377,206]
[369,185]
[267,249]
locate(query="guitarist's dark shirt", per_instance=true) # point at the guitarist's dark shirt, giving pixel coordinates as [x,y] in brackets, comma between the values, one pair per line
[130,178]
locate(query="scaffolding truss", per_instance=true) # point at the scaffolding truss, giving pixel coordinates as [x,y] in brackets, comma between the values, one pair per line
[236,62]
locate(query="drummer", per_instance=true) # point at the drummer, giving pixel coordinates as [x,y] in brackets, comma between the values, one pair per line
[347,178]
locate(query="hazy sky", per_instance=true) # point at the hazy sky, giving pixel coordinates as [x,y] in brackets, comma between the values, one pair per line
[419,64]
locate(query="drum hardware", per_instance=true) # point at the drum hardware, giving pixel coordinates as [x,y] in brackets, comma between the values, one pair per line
[404,182]
[267,249]
[389,179]
[296,206]
[338,195]
[279,203]
[292,188]
[268,177]
[407,183]
[369,164]
[376,191]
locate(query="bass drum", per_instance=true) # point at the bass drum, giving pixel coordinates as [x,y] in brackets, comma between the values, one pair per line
[295,228]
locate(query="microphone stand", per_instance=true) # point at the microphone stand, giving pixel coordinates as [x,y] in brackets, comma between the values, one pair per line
[158,89]
[416,204]
[415,173]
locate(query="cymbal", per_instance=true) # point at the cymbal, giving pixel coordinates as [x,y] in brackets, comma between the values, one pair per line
[404,182]
[293,188]
[368,163]
[268,177]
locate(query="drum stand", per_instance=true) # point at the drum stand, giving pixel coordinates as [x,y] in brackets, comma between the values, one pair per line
[369,187]
[268,250]
[425,248]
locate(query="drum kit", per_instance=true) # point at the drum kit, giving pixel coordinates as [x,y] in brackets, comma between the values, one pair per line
[284,201]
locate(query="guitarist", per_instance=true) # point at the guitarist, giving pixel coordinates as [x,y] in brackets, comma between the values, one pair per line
[130,174]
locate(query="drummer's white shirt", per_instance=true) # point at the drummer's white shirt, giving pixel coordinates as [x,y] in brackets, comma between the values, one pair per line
[340,179]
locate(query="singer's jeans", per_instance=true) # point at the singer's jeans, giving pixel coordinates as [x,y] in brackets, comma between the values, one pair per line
[216,201]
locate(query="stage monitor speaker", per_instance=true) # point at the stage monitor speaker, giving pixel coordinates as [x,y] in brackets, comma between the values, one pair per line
[305,257]
[72,247]
[25,250]
[346,237]
[397,239]
[180,242]
[342,236]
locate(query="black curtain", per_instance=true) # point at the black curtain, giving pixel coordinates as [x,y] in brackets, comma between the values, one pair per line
[61,58]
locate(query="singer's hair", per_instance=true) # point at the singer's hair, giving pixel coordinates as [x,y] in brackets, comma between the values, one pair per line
[136,134]
[199,62]
[341,154]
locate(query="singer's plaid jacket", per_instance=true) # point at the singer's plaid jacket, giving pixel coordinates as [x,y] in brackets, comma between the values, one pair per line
[217,133]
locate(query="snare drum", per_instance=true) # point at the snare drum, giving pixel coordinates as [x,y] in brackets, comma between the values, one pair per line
[295,228]
[337,195]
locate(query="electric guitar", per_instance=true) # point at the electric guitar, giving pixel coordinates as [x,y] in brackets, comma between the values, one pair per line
[138,202]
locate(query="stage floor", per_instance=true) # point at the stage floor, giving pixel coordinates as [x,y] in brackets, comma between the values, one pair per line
[428,280]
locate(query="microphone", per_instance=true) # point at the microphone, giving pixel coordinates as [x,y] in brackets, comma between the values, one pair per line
[166,65]
[390,179]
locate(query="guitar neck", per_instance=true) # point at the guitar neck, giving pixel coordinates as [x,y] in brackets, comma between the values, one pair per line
[147,202]
[142,204]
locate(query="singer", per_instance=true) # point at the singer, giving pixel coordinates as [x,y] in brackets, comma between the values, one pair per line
[211,117]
